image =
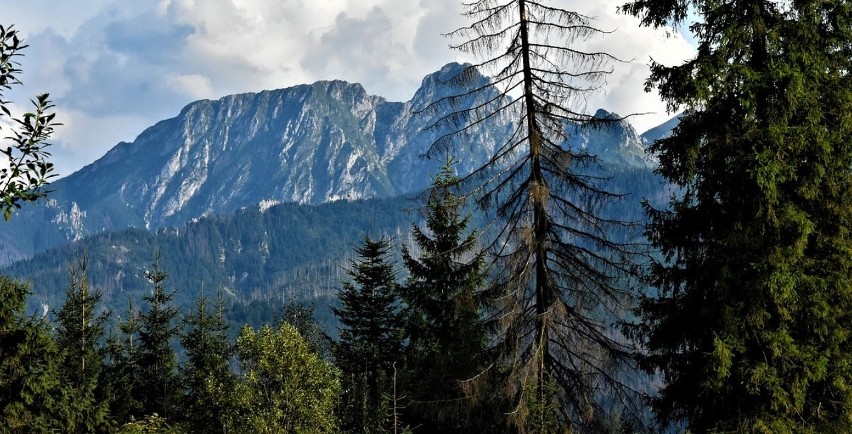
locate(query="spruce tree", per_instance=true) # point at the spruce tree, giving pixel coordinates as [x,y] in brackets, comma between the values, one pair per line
[301,316]
[443,316]
[158,388]
[206,375]
[749,323]
[121,371]
[79,334]
[559,284]
[370,339]
[31,394]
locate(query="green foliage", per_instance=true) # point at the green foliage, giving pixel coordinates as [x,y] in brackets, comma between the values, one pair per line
[750,327]
[24,169]
[152,424]
[31,396]
[79,332]
[207,379]
[301,317]
[121,373]
[290,251]
[158,386]
[543,409]
[443,317]
[284,386]
[370,340]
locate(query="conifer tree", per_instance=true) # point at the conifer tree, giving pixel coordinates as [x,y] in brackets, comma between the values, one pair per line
[301,317]
[158,388]
[370,340]
[31,395]
[559,282]
[79,334]
[443,316]
[750,324]
[207,378]
[121,371]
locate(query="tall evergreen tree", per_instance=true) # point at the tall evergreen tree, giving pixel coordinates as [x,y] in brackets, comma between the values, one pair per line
[121,373]
[31,395]
[559,284]
[370,340]
[206,375]
[79,334]
[158,388]
[750,325]
[443,317]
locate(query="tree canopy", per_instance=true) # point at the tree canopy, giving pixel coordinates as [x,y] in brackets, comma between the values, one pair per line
[285,388]
[371,337]
[443,317]
[749,323]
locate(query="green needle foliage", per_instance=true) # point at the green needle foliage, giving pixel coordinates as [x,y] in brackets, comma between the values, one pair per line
[31,396]
[302,318]
[121,372]
[751,325]
[79,332]
[158,387]
[446,334]
[370,340]
[206,375]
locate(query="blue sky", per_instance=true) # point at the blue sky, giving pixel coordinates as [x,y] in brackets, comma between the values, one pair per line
[115,67]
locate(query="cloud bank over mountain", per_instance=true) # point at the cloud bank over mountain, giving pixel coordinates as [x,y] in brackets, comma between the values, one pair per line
[114,67]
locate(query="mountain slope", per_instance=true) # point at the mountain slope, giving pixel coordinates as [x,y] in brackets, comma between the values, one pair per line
[660,131]
[308,144]
[287,250]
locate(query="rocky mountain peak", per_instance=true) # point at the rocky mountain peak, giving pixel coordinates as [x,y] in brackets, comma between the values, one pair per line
[309,144]
[615,141]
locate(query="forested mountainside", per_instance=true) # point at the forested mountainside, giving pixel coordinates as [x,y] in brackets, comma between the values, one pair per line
[306,144]
[287,251]
[284,251]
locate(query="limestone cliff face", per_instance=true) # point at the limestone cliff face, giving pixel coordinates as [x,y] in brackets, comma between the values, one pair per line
[307,144]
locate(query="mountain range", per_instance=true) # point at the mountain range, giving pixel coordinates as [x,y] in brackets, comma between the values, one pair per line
[306,145]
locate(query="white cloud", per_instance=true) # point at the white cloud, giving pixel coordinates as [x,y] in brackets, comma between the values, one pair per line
[114,67]
[192,85]
[624,92]
[74,145]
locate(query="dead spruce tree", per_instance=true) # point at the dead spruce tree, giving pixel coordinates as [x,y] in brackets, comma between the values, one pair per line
[559,278]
